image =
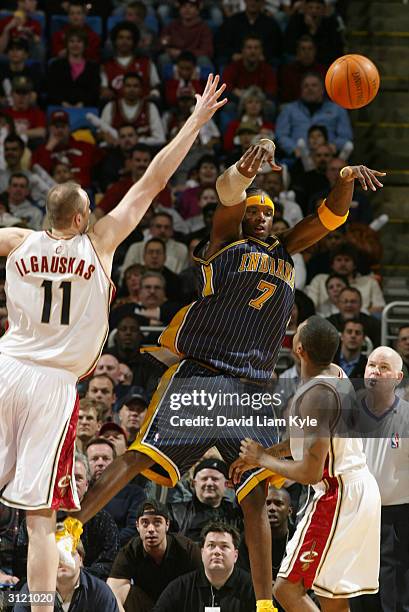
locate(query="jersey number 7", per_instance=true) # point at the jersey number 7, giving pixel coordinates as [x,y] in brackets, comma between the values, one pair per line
[66,301]
[267,290]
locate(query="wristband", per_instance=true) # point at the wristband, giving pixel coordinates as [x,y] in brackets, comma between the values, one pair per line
[330,220]
[231,186]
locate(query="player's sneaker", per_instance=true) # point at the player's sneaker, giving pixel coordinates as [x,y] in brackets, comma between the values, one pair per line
[68,535]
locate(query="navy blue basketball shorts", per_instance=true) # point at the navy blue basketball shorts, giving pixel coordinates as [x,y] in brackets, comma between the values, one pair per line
[195,408]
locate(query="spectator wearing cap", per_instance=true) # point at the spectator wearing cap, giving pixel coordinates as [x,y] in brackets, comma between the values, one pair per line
[101,388]
[115,434]
[125,38]
[132,412]
[187,33]
[133,108]
[253,20]
[73,80]
[77,590]
[291,74]
[219,584]
[77,15]
[29,119]
[123,506]
[17,201]
[246,134]
[251,110]
[208,502]
[16,66]
[61,146]
[325,31]
[151,560]
[185,76]
[250,70]
[344,261]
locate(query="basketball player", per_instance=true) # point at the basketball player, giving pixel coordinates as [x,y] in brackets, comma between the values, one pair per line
[58,295]
[231,335]
[335,549]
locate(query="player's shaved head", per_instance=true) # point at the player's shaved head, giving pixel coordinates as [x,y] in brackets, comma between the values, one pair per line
[387,355]
[64,202]
[319,339]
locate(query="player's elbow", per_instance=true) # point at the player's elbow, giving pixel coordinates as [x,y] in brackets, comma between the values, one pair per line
[311,476]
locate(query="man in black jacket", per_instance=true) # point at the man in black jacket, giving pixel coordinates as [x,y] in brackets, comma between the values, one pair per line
[208,502]
[349,356]
[219,585]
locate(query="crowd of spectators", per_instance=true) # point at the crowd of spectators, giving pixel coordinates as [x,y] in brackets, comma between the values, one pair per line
[90,91]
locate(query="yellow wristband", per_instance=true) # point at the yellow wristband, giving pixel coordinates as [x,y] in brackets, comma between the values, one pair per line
[329,219]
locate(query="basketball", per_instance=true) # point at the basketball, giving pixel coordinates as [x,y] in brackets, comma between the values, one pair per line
[352,81]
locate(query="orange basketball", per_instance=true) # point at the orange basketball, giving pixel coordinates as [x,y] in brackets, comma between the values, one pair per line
[352,81]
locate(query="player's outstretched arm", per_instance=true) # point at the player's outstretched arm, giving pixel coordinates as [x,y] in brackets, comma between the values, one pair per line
[11,238]
[334,210]
[113,228]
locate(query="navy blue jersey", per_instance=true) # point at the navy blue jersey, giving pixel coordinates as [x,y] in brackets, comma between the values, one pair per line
[238,323]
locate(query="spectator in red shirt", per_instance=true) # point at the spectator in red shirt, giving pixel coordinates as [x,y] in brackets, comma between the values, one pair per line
[187,33]
[77,14]
[29,120]
[22,25]
[140,159]
[186,75]
[292,74]
[62,147]
[133,108]
[251,111]
[250,70]
[125,39]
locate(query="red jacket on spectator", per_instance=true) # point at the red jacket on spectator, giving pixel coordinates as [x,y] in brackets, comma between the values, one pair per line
[29,119]
[80,156]
[291,76]
[31,27]
[141,122]
[196,38]
[117,191]
[115,73]
[92,50]
[174,86]
[236,76]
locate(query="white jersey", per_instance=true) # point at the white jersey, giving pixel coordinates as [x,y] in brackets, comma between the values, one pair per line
[345,453]
[58,298]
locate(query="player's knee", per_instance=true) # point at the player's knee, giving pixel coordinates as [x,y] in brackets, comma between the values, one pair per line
[283,592]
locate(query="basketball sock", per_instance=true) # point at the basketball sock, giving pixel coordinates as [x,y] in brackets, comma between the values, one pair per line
[265,605]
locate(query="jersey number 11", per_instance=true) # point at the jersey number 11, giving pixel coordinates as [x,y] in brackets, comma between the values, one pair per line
[66,301]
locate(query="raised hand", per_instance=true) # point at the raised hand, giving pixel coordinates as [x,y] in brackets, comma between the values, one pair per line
[208,102]
[365,176]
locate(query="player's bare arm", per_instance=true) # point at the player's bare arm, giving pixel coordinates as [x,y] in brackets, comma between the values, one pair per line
[113,228]
[231,187]
[314,227]
[11,238]
[316,444]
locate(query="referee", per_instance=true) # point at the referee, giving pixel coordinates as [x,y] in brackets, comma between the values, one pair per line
[385,428]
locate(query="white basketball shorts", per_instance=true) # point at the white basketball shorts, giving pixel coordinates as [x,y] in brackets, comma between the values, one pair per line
[336,547]
[38,420]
